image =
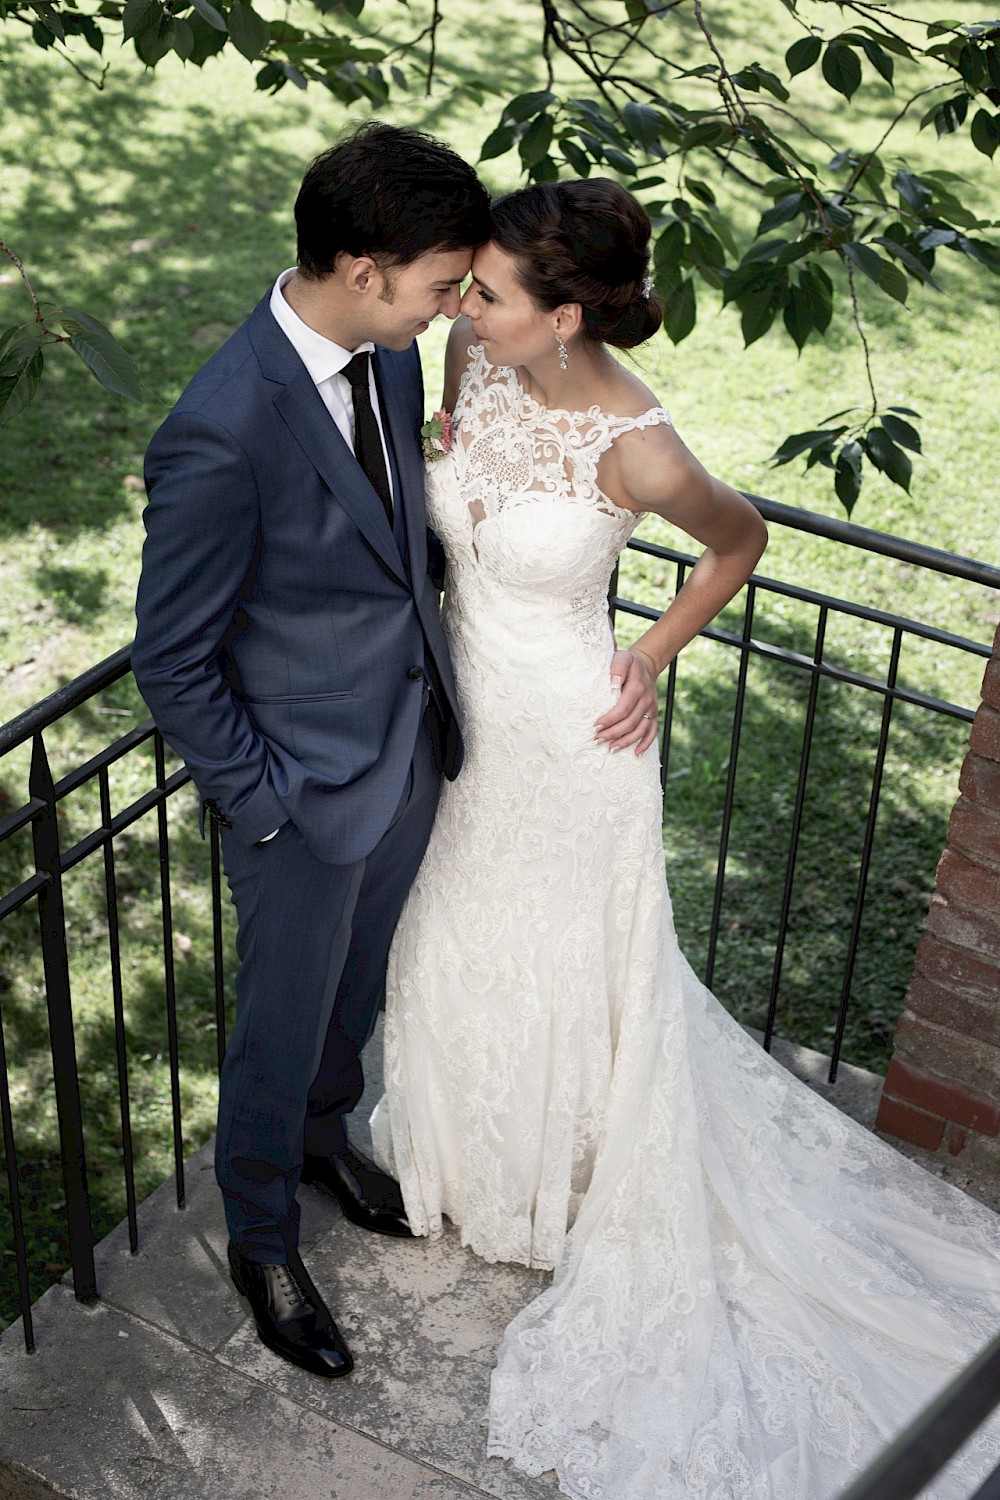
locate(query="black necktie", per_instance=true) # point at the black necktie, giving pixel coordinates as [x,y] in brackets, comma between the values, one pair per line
[368,448]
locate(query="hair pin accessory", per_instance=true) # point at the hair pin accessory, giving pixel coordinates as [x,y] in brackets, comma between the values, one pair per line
[647,286]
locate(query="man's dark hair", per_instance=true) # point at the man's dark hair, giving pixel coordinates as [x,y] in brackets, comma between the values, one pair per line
[388,192]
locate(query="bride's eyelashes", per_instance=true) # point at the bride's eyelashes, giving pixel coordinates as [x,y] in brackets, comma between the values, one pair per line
[482,294]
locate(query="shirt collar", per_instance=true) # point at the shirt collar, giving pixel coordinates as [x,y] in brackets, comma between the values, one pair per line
[320,355]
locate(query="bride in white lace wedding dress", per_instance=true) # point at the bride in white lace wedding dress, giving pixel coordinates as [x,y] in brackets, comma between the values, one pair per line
[755,1294]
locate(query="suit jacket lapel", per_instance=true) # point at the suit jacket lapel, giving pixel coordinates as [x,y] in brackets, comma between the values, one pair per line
[301,408]
[409,463]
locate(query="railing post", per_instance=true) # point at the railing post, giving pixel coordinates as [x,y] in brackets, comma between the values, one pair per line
[52,928]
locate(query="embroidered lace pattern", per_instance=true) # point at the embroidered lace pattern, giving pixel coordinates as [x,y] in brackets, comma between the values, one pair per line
[754,1293]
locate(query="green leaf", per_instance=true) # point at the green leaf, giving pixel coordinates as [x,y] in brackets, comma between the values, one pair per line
[18,346]
[681,312]
[786,207]
[642,123]
[798,319]
[536,140]
[525,106]
[764,79]
[50,19]
[101,352]
[249,31]
[271,76]
[767,153]
[815,293]
[575,155]
[42,36]
[986,132]
[880,61]
[914,193]
[765,250]
[805,442]
[701,191]
[803,54]
[847,475]
[902,432]
[18,390]
[708,133]
[893,281]
[841,69]
[705,248]
[497,142]
[139,16]
[210,14]
[207,41]
[758,310]
[619,160]
[151,45]
[866,259]
[950,116]
[885,455]
[181,38]
[669,246]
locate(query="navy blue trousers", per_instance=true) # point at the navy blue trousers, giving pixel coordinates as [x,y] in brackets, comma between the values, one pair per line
[313,940]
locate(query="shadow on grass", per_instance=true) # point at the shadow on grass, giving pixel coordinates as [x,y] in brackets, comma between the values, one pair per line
[177,248]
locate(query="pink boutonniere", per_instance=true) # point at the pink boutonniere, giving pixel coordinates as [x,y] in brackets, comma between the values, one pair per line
[437,435]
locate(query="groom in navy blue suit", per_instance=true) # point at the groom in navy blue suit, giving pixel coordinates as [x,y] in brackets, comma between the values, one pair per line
[290,649]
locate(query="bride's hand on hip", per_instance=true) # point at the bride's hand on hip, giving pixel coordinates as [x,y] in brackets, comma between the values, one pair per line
[632,721]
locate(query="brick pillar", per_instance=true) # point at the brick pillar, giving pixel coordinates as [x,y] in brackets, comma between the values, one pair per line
[942,1090]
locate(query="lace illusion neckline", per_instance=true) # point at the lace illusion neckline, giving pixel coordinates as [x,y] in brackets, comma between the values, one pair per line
[594,413]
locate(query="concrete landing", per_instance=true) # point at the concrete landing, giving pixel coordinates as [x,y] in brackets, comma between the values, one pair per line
[162,1390]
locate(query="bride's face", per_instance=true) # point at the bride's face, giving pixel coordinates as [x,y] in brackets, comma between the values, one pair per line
[511,328]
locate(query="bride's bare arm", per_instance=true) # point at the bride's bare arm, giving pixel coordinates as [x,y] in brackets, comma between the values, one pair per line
[653,471]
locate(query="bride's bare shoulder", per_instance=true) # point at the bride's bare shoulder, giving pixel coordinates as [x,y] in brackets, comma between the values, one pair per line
[629,396]
[457,358]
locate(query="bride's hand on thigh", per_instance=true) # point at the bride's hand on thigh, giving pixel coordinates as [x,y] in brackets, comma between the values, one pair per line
[632,720]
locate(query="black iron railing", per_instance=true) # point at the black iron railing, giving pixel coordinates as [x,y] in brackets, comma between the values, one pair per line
[98,834]
[911,1463]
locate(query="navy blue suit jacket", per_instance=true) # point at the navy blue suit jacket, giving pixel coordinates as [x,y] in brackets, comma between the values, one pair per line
[278,627]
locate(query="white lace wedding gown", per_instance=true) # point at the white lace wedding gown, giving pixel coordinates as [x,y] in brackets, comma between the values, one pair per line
[756,1294]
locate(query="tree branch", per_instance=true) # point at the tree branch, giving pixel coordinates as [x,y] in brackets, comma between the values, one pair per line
[856,316]
[433,28]
[39,318]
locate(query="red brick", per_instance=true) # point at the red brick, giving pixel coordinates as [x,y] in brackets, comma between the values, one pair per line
[956,1140]
[968,883]
[975,931]
[996,642]
[976,831]
[991,678]
[985,736]
[941,1096]
[909,1124]
[958,970]
[930,1048]
[980,779]
[953,1010]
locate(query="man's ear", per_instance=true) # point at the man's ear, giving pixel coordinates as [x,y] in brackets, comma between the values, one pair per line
[360,273]
[568,319]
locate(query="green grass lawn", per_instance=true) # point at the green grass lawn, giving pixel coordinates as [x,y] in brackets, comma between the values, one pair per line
[163,206]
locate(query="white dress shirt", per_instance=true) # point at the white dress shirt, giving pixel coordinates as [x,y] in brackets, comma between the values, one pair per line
[325,361]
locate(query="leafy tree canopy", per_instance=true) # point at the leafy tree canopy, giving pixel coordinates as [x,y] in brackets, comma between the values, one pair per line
[644,90]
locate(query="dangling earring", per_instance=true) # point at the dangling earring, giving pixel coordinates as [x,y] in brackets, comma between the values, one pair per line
[563,353]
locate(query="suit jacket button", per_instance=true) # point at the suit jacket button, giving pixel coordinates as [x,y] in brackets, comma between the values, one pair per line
[416,674]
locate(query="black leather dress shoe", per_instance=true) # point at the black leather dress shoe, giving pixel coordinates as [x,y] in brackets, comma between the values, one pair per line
[292,1318]
[367,1196]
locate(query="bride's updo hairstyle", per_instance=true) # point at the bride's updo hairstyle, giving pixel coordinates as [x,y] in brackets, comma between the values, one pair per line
[586,241]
